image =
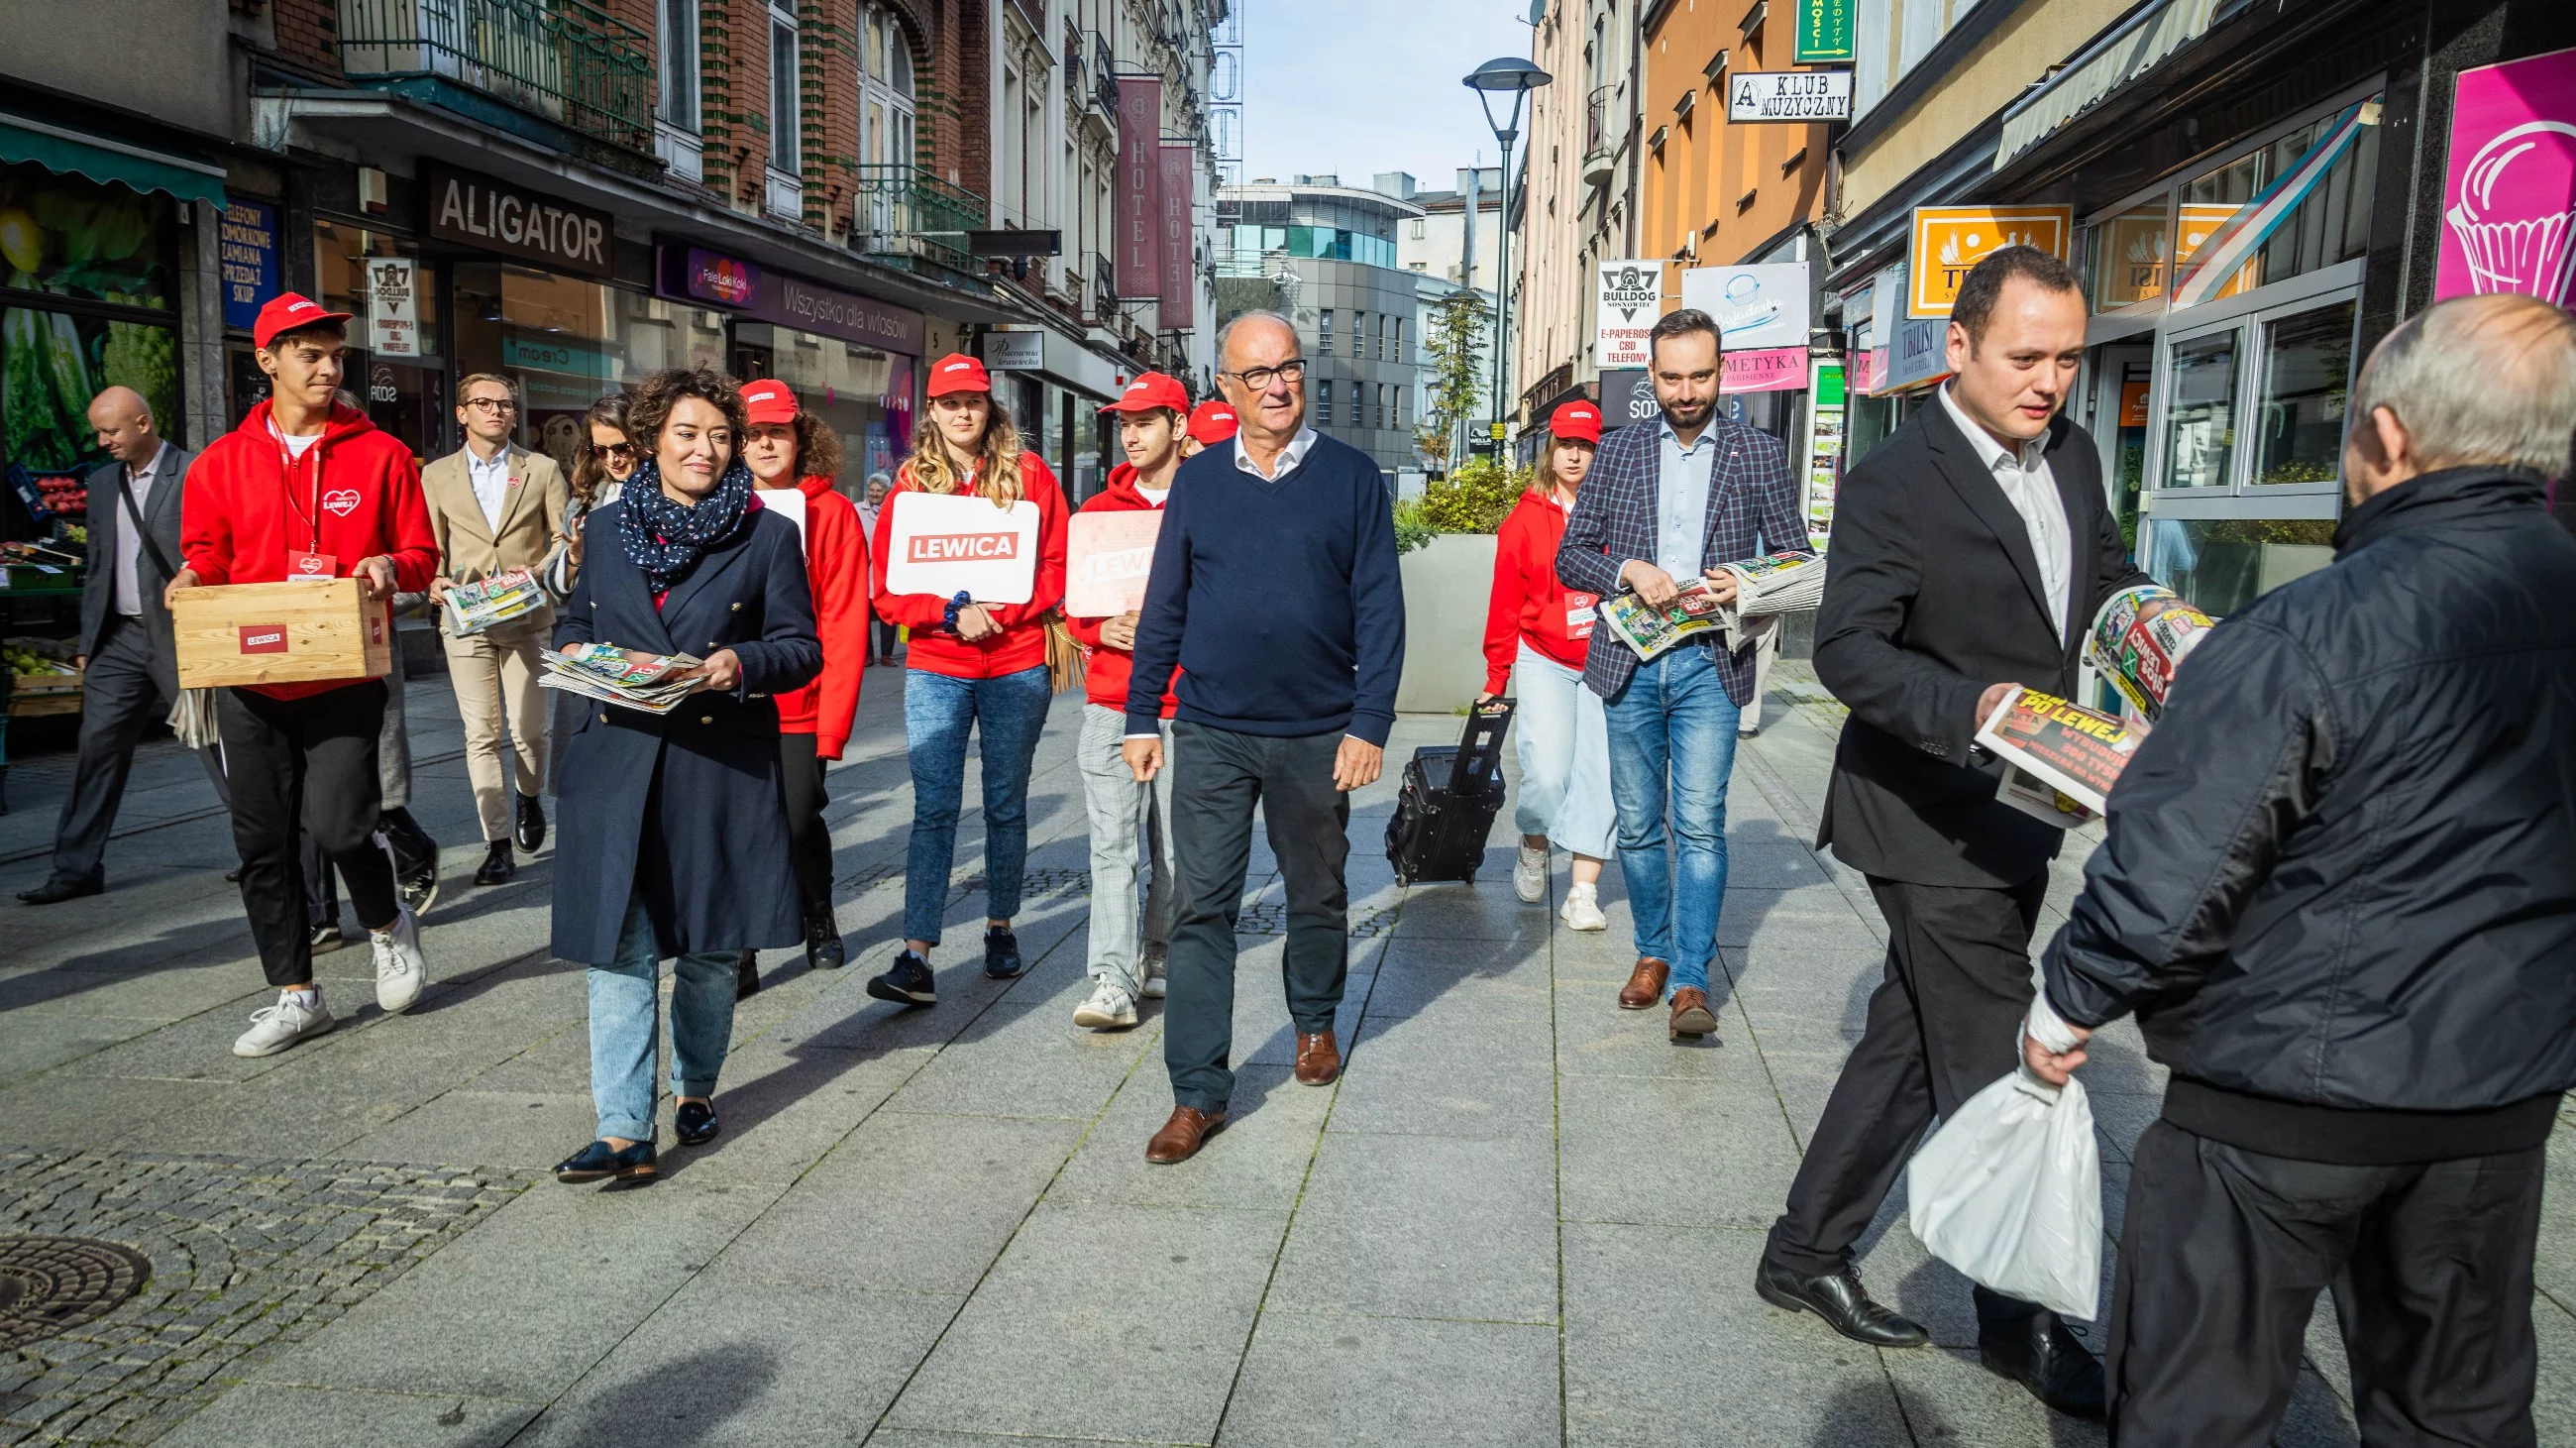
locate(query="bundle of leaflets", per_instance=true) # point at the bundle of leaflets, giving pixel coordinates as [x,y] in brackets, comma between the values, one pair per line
[1773,584]
[2138,651]
[473,607]
[628,677]
[2059,749]
[1650,631]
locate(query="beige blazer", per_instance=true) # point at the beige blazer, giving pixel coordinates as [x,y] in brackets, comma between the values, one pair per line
[469,547]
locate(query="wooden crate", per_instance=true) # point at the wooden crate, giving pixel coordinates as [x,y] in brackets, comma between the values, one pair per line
[280,633]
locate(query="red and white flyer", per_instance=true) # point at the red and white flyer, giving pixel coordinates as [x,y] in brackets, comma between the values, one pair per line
[2075,751]
[1107,558]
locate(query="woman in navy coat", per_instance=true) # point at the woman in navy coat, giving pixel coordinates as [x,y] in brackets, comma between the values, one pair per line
[673,838]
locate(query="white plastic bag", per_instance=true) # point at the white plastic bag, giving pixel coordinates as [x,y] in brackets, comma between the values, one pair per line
[2009,1191]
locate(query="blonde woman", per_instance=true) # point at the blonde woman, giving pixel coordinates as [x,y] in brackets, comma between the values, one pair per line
[972,665]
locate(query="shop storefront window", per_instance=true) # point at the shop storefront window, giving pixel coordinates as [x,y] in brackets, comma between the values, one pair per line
[854,390]
[2200,421]
[89,275]
[548,332]
[653,334]
[398,368]
[2307,362]
[2332,223]
[2223,564]
[2127,256]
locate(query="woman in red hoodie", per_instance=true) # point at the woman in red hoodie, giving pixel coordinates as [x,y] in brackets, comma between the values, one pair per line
[971,664]
[1536,626]
[793,457]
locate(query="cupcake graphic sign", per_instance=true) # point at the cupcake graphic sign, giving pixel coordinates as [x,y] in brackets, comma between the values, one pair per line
[2509,203]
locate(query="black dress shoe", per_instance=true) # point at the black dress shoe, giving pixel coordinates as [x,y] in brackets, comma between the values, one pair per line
[2041,1354]
[822,939]
[1841,1301]
[599,1162]
[55,892]
[531,831]
[233,875]
[497,867]
[746,975]
[694,1123]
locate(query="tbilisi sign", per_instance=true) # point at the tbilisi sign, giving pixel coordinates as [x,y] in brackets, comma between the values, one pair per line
[1789,95]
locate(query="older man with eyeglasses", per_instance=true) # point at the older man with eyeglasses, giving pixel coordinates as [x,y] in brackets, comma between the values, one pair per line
[1275,593]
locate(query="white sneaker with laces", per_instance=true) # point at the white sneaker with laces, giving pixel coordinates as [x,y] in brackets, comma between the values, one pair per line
[1583,909]
[1529,875]
[297,1016]
[401,969]
[1154,974]
[1109,1009]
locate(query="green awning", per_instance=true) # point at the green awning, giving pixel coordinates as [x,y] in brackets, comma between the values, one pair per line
[100,159]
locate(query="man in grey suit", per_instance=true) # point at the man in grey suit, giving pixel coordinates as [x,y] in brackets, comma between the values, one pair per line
[132,669]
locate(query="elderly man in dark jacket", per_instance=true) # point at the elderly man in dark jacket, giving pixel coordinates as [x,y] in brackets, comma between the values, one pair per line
[2339,890]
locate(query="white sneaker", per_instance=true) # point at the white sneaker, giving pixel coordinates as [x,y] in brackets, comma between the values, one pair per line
[401,969]
[1583,909]
[1529,875]
[297,1016]
[1154,972]
[1109,1009]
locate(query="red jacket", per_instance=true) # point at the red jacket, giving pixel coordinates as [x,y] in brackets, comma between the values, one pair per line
[1529,604]
[1022,642]
[836,563]
[1105,669]
[354,495]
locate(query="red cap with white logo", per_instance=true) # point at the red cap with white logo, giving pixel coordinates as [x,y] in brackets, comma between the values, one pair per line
[1151,391]
[1577,422]
[768,400]
[958,372]
[1212,422]
[288,311]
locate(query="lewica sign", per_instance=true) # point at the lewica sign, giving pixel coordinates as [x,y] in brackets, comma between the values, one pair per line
[961,547]
[948,544]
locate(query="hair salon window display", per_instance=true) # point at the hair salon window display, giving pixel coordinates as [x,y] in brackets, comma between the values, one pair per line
[674,842]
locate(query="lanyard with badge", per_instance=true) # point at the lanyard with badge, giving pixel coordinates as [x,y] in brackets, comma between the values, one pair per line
[311,563]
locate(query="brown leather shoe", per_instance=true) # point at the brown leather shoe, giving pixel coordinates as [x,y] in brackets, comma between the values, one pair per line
[1183,1135]
[1319,1059]
[1645,984]
[1691,1015]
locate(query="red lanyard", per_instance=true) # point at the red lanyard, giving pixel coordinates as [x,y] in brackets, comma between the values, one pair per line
[286,464]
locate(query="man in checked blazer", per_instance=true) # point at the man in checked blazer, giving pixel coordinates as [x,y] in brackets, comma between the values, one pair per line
[1667,502]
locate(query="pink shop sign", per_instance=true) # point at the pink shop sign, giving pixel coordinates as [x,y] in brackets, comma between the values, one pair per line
[2509,199]
[1771,369]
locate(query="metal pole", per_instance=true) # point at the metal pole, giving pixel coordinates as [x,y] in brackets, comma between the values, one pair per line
[1502,283]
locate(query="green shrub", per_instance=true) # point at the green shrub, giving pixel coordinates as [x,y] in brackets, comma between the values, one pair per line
[1411,531]
[1474,498]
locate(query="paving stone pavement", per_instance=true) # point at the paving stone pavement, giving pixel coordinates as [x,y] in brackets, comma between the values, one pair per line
[1521,1216]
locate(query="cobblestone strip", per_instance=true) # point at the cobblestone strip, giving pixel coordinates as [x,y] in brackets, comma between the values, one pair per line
[249,1255]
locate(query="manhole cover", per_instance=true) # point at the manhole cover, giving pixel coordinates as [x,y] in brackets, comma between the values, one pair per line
[50,1285]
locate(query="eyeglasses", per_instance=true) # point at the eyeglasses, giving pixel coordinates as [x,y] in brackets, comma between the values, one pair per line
[1292,372]
[606,450]
[491,404]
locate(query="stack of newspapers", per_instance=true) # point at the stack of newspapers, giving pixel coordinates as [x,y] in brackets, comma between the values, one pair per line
[473,607]
[2137,644]
[2060,758]
[1766,587]
[628,677]
[1648,630]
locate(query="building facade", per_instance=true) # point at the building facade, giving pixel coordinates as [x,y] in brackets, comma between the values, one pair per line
[1583,182]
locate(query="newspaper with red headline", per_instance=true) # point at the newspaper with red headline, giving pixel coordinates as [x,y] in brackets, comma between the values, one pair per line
[631,678]
[1649,631]
[2060,748]
[2139,639]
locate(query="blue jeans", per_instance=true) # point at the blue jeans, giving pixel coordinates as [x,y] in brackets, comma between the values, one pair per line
[1674,720]
[1008,714]
[625,1026]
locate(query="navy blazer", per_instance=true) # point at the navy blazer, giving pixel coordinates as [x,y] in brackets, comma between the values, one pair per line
[1753,509]
[684,809]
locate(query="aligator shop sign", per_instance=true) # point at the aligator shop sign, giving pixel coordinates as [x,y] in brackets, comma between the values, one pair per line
[515,221]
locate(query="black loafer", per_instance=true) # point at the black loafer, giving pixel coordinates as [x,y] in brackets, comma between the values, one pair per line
[694,1123]
[599,1162]
[55,892]
[746,975]
[1841,1301]
[497,867]
[822,939]
[1002,953]
[531,831]
[2041,1353]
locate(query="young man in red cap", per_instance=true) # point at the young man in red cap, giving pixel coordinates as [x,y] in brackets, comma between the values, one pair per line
[1152,414]
[308,488]
[1211,422]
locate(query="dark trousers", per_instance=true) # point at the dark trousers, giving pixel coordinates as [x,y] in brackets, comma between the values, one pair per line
[120,698]
[413,851]
[1943,1024]
[809,840]
[2223,1254]
[305,764]
[882,640]
[1222,775]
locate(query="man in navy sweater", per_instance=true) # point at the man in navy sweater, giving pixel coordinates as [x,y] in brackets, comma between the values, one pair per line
[1275,593]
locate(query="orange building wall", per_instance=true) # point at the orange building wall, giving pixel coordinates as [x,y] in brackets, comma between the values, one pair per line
[1696,187]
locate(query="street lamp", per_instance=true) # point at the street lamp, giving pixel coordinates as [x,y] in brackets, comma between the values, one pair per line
[1515,77]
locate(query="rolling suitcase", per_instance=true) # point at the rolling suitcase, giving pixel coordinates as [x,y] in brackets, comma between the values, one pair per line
[1447,805]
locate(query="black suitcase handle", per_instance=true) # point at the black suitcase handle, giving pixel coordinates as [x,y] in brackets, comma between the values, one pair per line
[1479,762]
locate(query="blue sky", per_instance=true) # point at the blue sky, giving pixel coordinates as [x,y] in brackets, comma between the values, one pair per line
[1355,87]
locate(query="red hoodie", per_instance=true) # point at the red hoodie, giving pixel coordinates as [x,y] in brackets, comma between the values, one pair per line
[354,495]
[836,562]
[1105,669]
[1022,642]
[1529,604]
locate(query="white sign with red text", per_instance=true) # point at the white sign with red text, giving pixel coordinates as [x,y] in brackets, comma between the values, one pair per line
[948,545]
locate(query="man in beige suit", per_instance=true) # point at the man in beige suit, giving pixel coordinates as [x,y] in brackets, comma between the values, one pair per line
[496,506]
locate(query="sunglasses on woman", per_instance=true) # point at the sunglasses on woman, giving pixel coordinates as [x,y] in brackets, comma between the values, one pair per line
[606,450]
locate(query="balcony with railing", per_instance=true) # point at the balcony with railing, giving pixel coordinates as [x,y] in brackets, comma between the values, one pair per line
[1104,76]
[909,218]
[1099,290]
[1602,129]
[521,65]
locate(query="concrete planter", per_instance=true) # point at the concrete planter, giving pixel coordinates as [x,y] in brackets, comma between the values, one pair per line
[1446,584]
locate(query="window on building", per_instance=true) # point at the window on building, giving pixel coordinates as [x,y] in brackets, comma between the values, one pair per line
[1324,404]
[885,89]
[1399,339]
[1417,228]
[677,103]
[1384,338]
[1324,333]
[784,114]
[1359,336]
[1381,407]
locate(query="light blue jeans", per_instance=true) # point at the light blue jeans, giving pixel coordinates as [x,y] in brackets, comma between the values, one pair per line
[1565,757]
[1008,713]
[626,1026]
[1674,723]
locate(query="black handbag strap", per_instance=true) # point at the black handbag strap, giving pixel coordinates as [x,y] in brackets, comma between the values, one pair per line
[134,516]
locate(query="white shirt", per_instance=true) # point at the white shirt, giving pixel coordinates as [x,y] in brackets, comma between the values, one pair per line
[1681,496]
[1155,496]
[1289,457]
[295,446]
[2031,488]
[129,538]
[491,482]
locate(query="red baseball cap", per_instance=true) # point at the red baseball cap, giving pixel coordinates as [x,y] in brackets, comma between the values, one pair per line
[958,372]
[1151,391]
[1579,421]
[286,312]
[1212,422]
[768,400]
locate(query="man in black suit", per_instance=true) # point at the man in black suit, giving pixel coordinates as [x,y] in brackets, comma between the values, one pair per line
[1970,553]
[132,669]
